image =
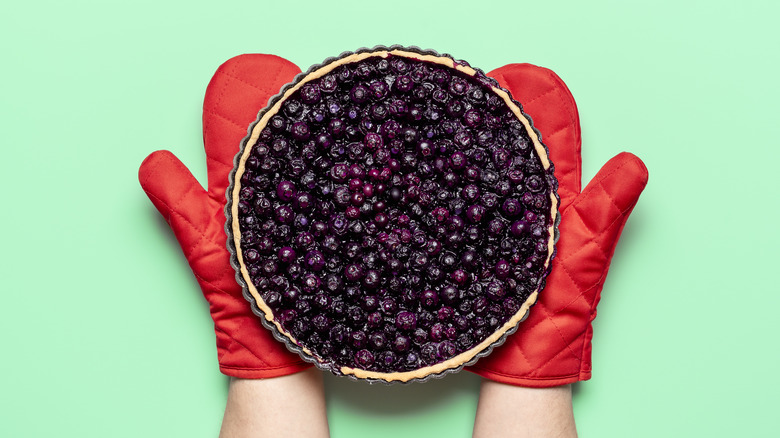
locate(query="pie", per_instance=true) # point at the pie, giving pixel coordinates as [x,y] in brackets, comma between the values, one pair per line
[392,214]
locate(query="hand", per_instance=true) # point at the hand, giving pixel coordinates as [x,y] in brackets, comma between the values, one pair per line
[238,90]
[553,346]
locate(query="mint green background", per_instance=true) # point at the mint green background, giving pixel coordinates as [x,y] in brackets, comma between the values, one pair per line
[103,330]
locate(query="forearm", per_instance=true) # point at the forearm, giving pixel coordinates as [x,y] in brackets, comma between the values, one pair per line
[514,412]
[288,406]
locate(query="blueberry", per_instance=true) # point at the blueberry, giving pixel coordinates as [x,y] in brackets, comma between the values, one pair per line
[472,173]
[383,66]
[446,350]
[273,299]
[429,298]
[476,96]
[458,160]
[459,277]
[424,148]
[412,360]
[470,193]
[458,86]
[277,123]
[328,84]
[495,290]
[286,255]
[279,147]
[370,303]
[495,226]
[359,93]
[480,305]
[521,144]
[357,199]
[510,306]
[448,260]
[333,283]
[310,93]
[356,316]
[450,295]
[399,65]
[465,341]
[445,313]
[287,316]
[489,177]
[420,336]
[534,183]
[322,301]
[324,141]
[405,320]
[461,322]
[344,74]
[502,269]
[364,358]
[463,139]
[354,272]
[285,191]
[472,118]
[314,260]
[475,213]
[455,108]
[429,353]
[501,158]
[336,127]
[358,339]
[377,340]
[519,228]
[387,359]
[403,83]
[284,214]
[371,279]
[401,343]
[512,207]
[378,90]
[381,220]
[437,332]
[292,108]
[388,305]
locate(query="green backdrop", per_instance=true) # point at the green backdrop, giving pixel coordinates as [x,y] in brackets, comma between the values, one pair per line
[104,331]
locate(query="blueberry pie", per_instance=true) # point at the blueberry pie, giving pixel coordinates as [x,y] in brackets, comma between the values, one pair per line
[392,214]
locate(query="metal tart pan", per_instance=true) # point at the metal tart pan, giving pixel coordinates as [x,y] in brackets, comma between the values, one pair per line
[292,346]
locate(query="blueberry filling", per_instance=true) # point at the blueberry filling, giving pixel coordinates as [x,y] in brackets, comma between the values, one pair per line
[393,214]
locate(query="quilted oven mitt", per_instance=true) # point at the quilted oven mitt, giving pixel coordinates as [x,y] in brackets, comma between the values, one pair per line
[553,346]
[239,88]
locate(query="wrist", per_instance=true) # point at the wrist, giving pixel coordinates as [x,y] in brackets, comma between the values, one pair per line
[517,411]
[271,406]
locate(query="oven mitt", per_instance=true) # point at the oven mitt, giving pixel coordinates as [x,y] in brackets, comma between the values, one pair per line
[553,346]
[239,88]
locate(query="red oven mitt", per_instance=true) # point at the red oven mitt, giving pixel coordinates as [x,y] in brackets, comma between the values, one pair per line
[239,88]
[553,346]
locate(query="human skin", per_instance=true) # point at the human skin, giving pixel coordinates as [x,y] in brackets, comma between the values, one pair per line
[274,407]
[509,411]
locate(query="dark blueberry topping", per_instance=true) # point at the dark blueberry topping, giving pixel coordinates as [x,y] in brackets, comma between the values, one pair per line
[393,214]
